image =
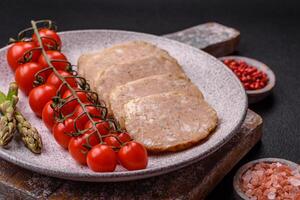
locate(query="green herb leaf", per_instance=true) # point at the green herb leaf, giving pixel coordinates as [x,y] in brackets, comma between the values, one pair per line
[2,97]
[12,91]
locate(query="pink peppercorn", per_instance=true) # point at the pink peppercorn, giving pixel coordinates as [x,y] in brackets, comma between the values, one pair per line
[250,76]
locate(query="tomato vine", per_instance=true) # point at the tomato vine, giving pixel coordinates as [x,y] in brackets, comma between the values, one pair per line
[59,102]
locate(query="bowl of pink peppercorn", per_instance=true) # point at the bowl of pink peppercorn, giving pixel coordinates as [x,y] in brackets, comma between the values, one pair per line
[268,179]
[257,78]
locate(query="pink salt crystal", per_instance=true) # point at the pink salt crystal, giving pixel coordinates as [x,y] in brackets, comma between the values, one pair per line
[272,190]
[273,178]
[279,191]
[259,193]
[259,172]
[257,166]
[286,169]
[254,181]
[276,185]
[248,192]
[286,194]
[271,195]
[271,181]
[247,176]
[296,172]
[249,185]
[278,164]
[297,197]
[287,188]
[268,184]
[283,173]
[294,181]
[297,176]
[265,165]
[269,171]
[284,183]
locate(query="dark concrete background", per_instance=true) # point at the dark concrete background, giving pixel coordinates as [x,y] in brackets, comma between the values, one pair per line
[270,32]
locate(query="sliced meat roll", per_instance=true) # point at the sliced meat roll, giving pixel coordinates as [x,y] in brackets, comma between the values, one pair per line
[149,86]
[169,121]
[121,74]
[89,65]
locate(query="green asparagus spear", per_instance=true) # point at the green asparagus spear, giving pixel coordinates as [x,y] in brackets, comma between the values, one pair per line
[12,120]
[29,134]
[7,109]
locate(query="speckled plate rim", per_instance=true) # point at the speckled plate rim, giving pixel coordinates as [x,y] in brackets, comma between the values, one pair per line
[148,172]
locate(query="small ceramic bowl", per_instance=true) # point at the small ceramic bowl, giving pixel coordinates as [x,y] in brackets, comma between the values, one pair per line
[257,95]
[239,194]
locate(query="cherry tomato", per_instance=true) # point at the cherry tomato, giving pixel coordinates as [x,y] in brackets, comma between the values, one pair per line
[102,158]
[54,55]
[56,82]
[39,96]
[102,126]
[133,156]
[117,139]
[50,39]
[112,141]
[48,116]
[124,137]
[25,76]
[83,119]
[62,131]
[15,54]
[68,108]
[77,147]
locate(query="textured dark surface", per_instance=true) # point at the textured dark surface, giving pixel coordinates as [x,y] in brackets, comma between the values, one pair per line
[270,32]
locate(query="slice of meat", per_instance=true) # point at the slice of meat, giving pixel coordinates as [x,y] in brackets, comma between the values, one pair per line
[169,121]
[120,74]
[148,86]
[89,64]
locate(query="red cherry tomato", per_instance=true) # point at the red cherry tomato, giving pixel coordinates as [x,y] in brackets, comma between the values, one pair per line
[56,82]
[39,96]
[77,147]
[102,158]
[124,137]
[48,116]
[54,55]
[133,156]
[102,126]
[50,39]
[62,131]
[68,108]
[112,141]
[25,76]
[83,119]
[117,139]
[82,95]
[15,54]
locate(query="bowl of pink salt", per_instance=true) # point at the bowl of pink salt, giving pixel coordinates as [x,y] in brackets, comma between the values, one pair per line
[268,179]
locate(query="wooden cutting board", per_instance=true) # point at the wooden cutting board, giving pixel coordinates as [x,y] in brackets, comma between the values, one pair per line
[192,182]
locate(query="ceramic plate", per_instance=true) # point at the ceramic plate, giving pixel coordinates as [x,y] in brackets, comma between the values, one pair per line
[220,87]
